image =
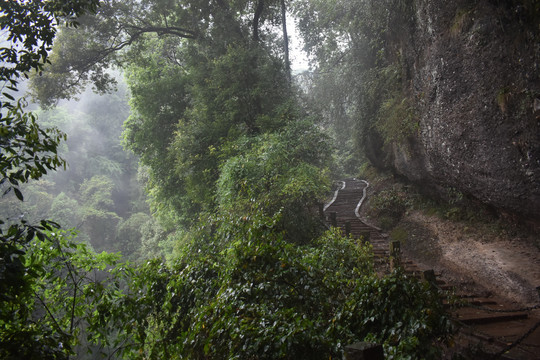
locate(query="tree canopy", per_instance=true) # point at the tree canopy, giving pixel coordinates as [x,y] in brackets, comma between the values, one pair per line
[201,75]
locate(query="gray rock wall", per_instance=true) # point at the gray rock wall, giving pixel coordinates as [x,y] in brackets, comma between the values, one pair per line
[475,76]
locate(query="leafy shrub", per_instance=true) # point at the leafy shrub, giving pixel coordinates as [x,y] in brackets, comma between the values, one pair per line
[399,234]
[283,173]
[397,118]
[51,314]
[388,206]
[405,315]
[257,296]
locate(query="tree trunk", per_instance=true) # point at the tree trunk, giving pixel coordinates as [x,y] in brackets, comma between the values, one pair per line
[285,40]
[256,17]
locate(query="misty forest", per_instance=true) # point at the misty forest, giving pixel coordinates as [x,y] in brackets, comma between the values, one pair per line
[164,166]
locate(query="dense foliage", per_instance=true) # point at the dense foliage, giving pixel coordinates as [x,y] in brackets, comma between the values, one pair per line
[233,166]
[260,297]
[281,173]
[360,84]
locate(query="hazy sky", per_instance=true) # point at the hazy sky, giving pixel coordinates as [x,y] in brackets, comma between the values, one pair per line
[298,56]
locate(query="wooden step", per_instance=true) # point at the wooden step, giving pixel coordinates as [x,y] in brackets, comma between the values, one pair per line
[471,316]
[482,301]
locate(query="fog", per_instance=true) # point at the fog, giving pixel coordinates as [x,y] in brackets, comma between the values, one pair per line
[98,190]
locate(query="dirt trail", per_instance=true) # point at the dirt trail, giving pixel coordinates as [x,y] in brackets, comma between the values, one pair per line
[500,264]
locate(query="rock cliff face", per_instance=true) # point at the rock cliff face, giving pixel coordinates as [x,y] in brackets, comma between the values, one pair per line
[474,72]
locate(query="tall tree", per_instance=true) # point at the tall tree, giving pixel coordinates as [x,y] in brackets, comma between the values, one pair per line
[285,39]
[200,75]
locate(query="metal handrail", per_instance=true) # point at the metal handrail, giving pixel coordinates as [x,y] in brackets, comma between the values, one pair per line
[335,195]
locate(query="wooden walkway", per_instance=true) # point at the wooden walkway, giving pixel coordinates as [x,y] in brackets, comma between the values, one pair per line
[485,322]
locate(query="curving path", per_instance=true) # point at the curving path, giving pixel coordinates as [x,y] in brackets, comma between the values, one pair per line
[346,204]
[486,321]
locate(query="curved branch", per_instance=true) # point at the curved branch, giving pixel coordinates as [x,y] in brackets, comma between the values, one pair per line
[124,36]
[167,30]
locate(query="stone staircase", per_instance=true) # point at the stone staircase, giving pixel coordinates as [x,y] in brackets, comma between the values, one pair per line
[486,322]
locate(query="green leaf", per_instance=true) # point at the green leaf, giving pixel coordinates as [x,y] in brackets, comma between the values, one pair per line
[8,96]
[18,193]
